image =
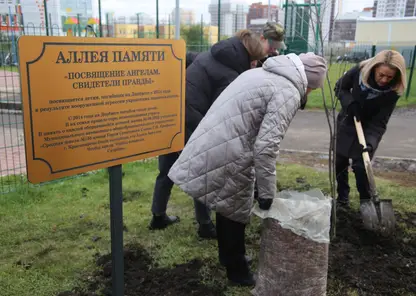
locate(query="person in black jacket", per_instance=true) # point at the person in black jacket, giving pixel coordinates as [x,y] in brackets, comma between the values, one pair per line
[206,77]
[368,92]
[190,57]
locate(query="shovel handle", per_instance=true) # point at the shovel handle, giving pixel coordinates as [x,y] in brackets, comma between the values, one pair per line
[367,161]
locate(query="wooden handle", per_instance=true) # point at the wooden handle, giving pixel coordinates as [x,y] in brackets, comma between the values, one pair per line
[367,160]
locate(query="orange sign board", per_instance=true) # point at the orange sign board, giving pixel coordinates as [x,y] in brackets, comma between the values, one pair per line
[92,103]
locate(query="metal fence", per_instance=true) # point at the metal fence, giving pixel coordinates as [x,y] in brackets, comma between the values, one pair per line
[12,155]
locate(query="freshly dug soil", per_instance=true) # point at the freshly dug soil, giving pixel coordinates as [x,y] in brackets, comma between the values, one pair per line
[141,279]
[358,259]
[370,263]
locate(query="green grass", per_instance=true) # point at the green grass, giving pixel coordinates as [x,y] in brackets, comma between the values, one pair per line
[9,68]
[335,72]
[50,228]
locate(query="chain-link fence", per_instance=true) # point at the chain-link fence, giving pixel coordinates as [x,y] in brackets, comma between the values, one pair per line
[198,37]
[12,156]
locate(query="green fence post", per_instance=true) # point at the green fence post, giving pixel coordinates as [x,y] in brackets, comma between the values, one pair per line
[45,10]
[409,83]
[138,25]
[330,58]
[373,51]
[100,22]
[157,19]
[78,25]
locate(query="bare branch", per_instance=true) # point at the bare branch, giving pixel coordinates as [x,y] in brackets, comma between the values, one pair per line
[329,107]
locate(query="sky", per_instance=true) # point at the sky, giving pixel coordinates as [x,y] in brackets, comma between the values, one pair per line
[131,7]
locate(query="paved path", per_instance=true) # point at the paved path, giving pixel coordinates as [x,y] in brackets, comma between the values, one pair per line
[12,154]
[308,131]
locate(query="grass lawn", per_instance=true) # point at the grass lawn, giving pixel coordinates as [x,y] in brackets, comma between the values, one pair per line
[53,231]
[9,69]
[336,71]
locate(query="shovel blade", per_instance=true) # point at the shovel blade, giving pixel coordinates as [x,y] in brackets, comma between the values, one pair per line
[369,215]
[388,219]
[378,216]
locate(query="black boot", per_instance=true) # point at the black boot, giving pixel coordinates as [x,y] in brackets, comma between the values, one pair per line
[162,221]
[343,204]
[238,272]
[248,259]
[240,279]
[207,231]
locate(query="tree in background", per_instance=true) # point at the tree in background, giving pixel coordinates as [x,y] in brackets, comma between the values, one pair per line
[194,38]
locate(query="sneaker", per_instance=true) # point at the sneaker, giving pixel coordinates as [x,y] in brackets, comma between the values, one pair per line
[207,231]
[163,221]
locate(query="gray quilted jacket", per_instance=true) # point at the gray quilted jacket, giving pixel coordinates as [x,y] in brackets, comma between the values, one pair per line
[238,139]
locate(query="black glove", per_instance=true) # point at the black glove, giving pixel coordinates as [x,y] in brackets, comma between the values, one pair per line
[368,149]
[354,110]
[265,203]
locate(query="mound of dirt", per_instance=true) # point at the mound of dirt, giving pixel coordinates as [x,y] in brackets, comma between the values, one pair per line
[370,263]
[358,259]
[141,278]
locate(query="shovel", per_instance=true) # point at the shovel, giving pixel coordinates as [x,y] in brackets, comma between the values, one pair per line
[377,214]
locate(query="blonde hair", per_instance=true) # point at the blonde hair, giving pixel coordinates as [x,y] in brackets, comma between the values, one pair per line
[252,43]
[390,58]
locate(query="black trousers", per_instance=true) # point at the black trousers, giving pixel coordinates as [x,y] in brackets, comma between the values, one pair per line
[341,166]
[256,192]
[163,185]
[232,246]
[163,189]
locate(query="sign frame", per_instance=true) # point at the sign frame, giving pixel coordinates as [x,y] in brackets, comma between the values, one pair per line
[29,108]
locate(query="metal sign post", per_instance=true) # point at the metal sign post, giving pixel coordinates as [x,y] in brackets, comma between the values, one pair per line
[116,217]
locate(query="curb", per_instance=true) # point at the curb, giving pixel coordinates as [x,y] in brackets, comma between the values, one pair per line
[384,163]
[10,111]
[13,106]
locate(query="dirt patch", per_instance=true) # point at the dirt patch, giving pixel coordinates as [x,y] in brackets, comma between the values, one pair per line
[373,264]
[402,178]
[142,278]
[311,160]
[407,179]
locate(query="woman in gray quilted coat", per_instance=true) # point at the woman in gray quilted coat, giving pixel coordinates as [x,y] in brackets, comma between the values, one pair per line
[237,142]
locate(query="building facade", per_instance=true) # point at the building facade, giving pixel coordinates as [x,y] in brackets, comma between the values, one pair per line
[344,30]
[61,15]
[375,8]
[390,31]
[186,16]
[345,25]
[257,25]
[326,9]
[233,16]
[410,8]
[260,11]
[391,8]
